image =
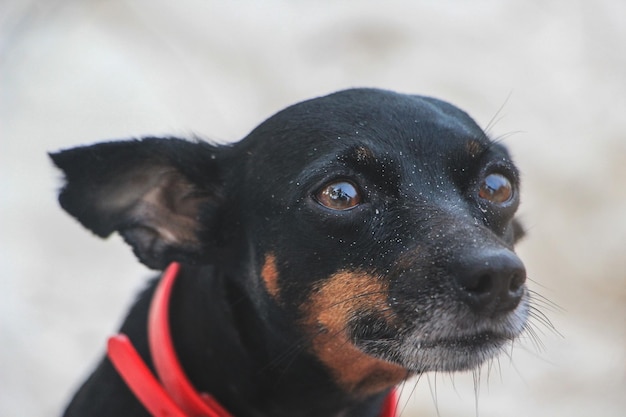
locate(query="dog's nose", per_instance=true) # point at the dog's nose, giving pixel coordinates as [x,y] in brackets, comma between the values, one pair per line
[491,281]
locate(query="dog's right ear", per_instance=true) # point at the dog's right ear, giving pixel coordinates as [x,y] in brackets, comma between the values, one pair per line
[161,195]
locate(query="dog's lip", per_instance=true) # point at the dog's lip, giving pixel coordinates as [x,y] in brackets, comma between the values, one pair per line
[449,354]
[468,342]
[472,341]
[455,353]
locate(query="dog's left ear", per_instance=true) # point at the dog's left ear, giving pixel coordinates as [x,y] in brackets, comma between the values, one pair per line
[161,195]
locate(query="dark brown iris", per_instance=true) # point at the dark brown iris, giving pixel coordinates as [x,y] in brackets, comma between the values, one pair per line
[496,188]
[339,195]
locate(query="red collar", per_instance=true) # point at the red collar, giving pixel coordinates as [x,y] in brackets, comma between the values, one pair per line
[172,394]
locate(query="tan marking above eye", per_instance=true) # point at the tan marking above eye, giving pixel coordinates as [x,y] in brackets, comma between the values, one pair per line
[339,195]
[496,188]
[474,148]
[364,154]
[269,274]
[332,304]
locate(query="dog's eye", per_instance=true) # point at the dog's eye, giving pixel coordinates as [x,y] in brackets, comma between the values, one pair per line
[339,195]
[496,188]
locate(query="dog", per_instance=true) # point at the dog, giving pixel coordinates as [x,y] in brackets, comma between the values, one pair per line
[349,242]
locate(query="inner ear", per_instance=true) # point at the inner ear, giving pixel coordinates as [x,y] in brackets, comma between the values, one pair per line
[163,224]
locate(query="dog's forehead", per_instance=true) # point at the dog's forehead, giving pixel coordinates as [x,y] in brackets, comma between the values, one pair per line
[369,123]
[380,120]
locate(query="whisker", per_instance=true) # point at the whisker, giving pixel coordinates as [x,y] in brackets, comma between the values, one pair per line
[541,318]
[497,360]
[497,116]
[419,377]
[539,284]
[433,391]
[501,138]
[545,301]
[536,315]
[453,382]
[545,304]
[490,365]
[400,390]
[476,377]
[535,339]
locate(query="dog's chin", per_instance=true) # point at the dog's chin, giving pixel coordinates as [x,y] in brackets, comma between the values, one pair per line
[444,355]
[450,355]
[442,350]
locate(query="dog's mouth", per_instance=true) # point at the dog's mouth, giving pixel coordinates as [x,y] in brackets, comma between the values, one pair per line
[447,354]
[474,342]
[453,345]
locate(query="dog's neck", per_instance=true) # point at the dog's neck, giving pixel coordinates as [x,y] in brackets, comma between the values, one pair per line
[227,349]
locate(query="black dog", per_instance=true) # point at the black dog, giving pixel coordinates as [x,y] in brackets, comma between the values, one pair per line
[346,244]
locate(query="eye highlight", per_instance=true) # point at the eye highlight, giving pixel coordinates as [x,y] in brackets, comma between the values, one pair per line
[339,195]
[496,188]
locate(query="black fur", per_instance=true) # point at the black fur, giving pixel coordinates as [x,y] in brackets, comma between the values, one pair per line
[288,305]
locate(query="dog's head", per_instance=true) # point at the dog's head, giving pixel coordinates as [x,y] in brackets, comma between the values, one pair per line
[380,224]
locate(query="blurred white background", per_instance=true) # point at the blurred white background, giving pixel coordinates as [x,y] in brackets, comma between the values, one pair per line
[77,72]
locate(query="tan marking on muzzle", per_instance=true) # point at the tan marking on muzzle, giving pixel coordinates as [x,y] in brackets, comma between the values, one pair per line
[334,302]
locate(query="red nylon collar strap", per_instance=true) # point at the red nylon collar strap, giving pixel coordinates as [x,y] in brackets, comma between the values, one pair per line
[174,395]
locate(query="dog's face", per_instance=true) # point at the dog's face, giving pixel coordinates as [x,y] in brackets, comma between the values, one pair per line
[380,224]
[387,227]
